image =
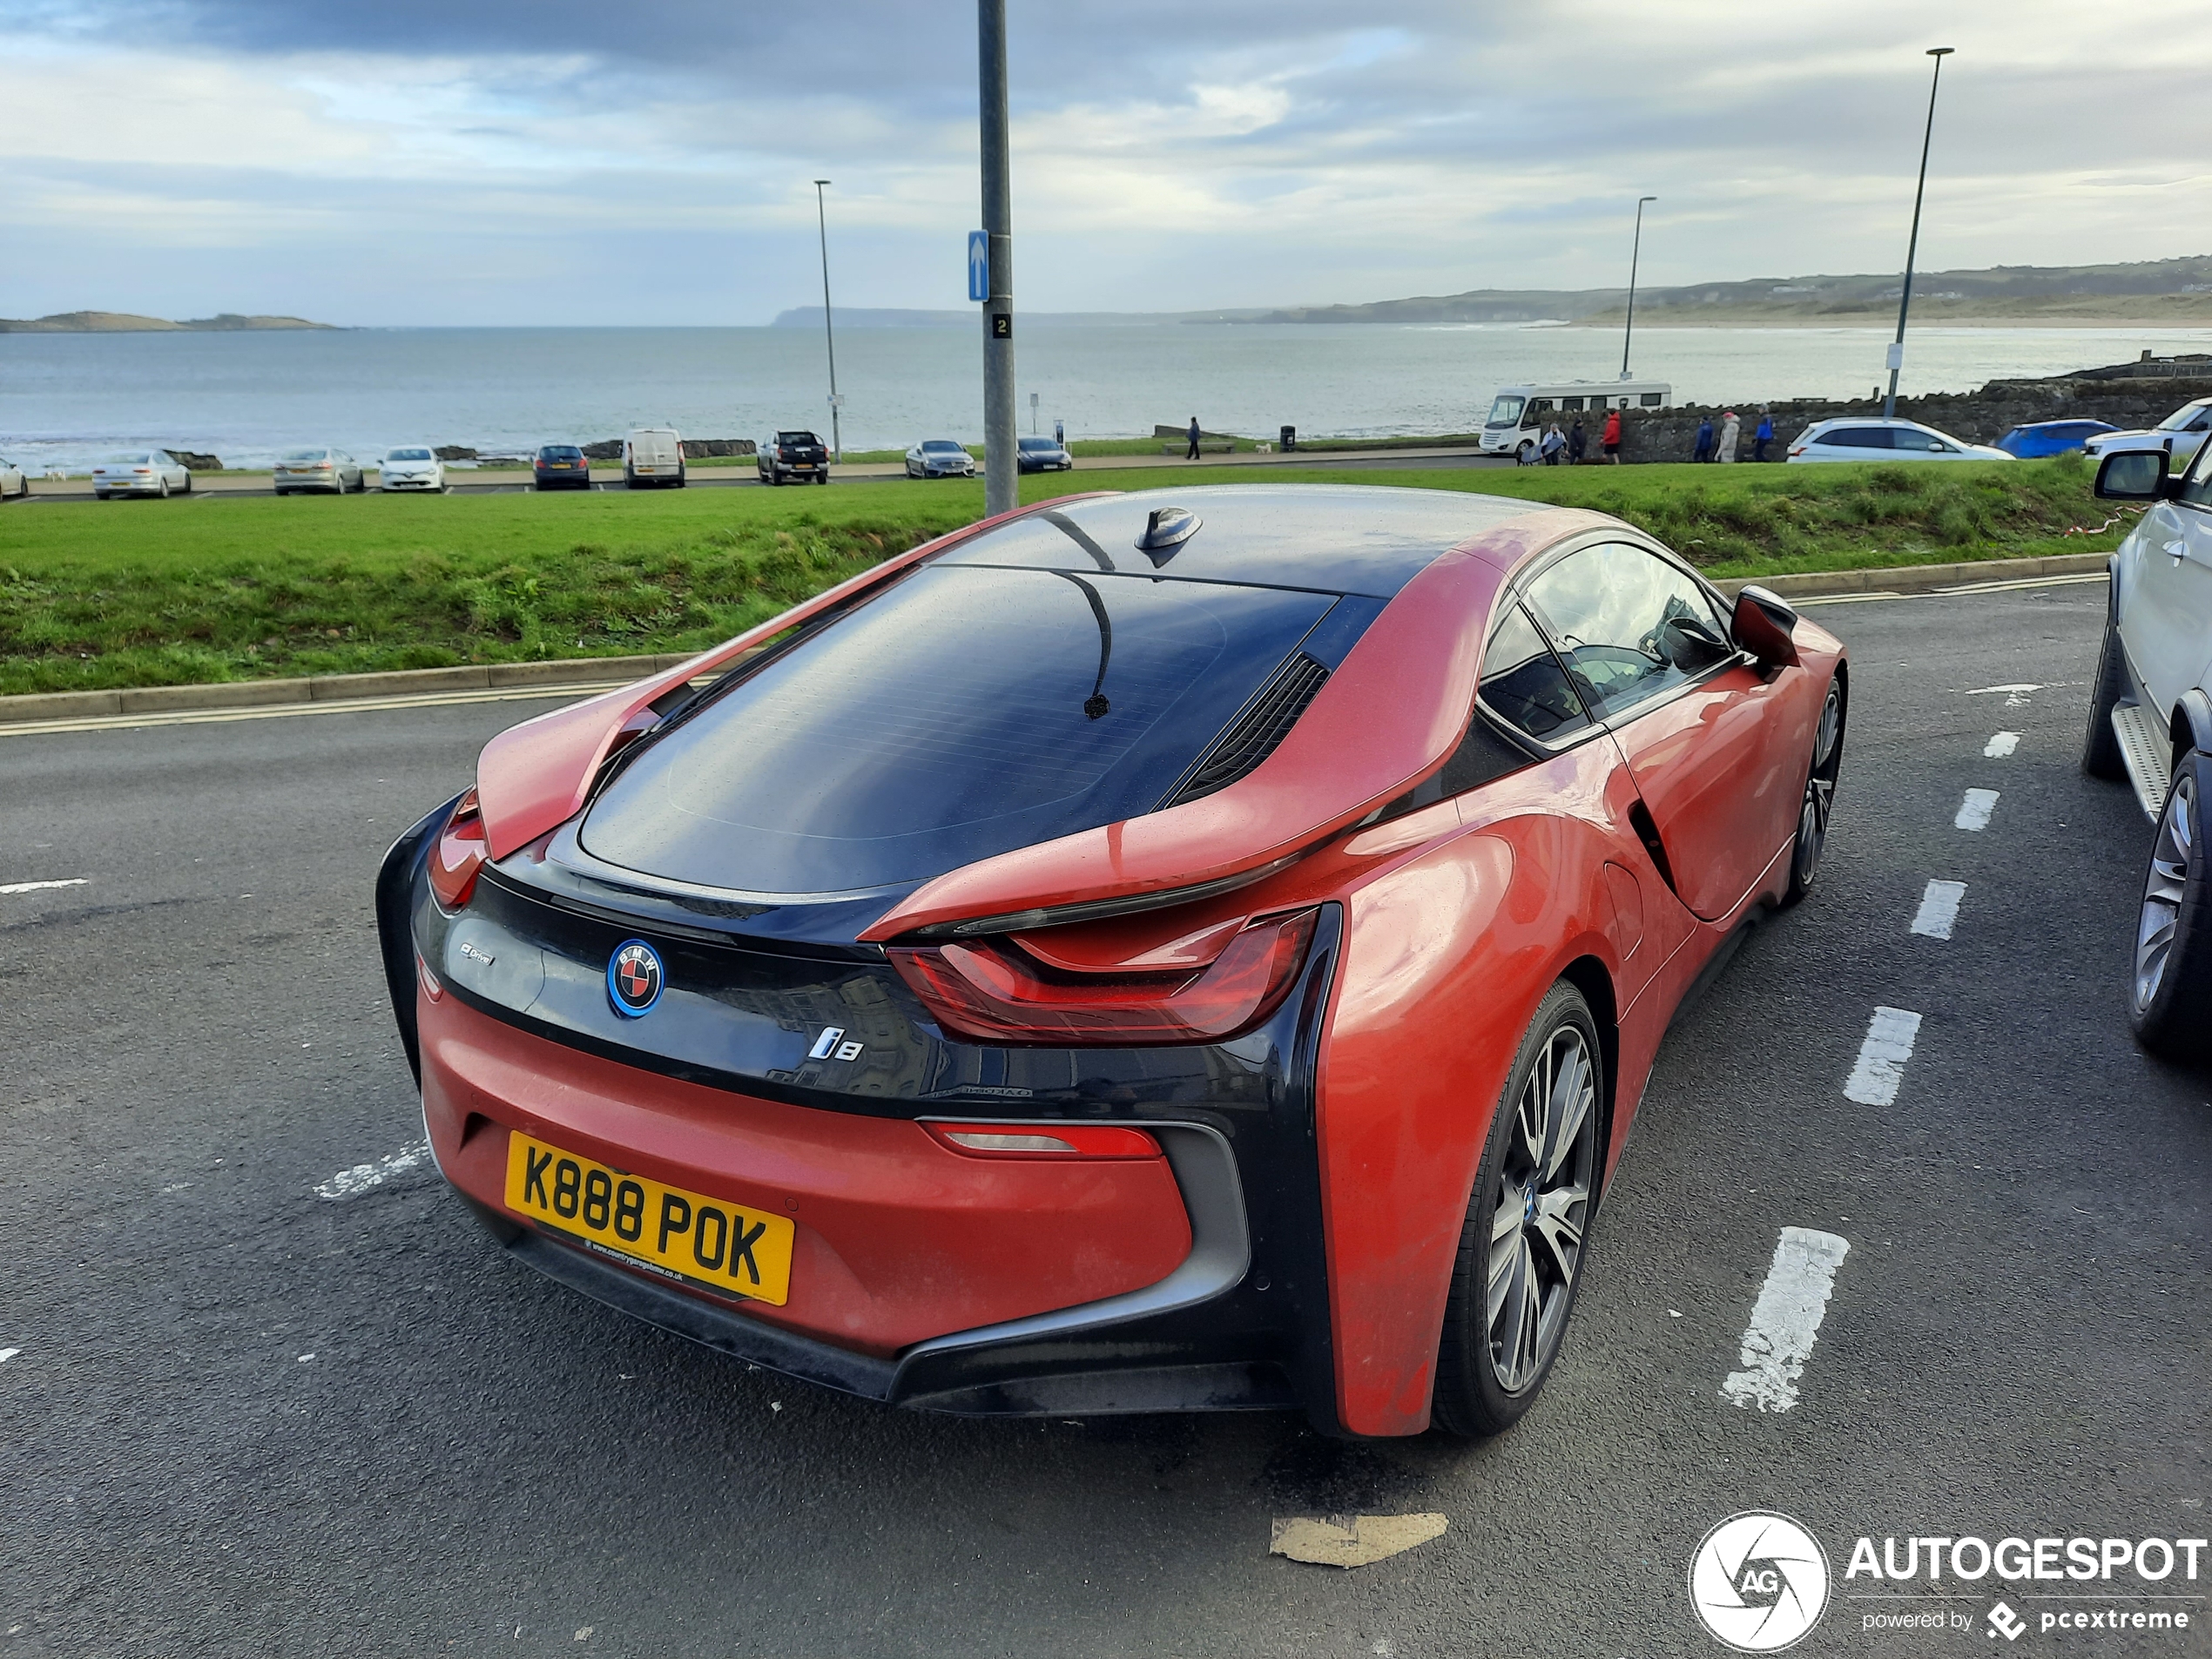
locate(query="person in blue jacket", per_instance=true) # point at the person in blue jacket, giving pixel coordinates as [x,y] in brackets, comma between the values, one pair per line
[1763,436]
[1704,440]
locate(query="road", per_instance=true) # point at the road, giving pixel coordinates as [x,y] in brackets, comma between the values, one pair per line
[243,1420]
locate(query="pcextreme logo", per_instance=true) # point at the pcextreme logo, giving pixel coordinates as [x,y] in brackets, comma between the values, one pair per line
[1759,1582]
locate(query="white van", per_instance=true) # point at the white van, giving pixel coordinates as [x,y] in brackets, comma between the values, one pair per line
[1519,414]
[652,454]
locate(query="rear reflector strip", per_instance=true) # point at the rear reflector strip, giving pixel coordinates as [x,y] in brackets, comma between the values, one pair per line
[1045,1140]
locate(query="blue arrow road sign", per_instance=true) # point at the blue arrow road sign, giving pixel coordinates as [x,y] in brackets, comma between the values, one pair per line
[979,264]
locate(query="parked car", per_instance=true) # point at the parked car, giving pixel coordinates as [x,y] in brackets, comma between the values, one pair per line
[415,467]
[2184,429]
[2150,721]
[1871,438]
[2051,437]
[324,469]
[938,458]
[793,456]
[15,482]
[937,1003]
[140,472]
[560,466]
[652,454]
[1042,454]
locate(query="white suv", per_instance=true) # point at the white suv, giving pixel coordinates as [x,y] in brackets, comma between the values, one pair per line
[1871,438]
[2150,721]
[2187,427]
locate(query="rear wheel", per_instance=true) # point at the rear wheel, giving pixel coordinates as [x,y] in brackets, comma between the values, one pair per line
[2169,1001]
[1820,795]
[2101,744]
[162,490]
[1521,1250]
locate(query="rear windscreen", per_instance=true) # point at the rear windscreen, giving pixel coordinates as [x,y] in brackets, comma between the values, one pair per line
[964,713]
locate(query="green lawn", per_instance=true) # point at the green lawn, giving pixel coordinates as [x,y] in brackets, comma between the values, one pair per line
[137,593]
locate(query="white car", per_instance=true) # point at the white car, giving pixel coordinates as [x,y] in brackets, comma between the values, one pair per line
[13,480]
[140,472]
[414,468]
[2186,428]
[1872,438]
[938,458]
[2150,721]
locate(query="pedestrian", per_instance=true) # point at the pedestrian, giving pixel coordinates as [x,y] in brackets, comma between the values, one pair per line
[1578,443]
[1192,453]
[1609,440]
[1763,436]
[1554,445]
[1731,433]
[1705,451]
[1060,433]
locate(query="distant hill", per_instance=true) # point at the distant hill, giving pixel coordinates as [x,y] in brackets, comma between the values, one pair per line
[2163,290]
[123,322]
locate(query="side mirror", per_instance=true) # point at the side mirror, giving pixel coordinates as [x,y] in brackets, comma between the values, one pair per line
[2133,475]
[1762,625]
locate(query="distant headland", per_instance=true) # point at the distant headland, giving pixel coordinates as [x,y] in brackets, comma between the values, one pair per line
[122,322]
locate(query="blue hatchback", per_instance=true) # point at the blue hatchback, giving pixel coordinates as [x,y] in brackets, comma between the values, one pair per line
[2051,437]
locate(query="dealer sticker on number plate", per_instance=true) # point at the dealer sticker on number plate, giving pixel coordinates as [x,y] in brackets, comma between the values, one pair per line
[665,1229]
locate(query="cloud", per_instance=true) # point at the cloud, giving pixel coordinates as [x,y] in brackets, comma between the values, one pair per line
[417,159]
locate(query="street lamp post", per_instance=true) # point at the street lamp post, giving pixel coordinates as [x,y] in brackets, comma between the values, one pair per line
[1636,252]
[1001,481]
[1912,247]
[829,335]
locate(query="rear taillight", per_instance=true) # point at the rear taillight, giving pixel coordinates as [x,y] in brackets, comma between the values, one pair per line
[1045,1140]
[990,990]
[459,854]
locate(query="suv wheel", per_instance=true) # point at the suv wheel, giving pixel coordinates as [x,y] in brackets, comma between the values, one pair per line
[2170,991]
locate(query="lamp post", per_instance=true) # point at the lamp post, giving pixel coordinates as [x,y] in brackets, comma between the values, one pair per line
[829,335]
[1001,481]
[1635,251]
[1912,247]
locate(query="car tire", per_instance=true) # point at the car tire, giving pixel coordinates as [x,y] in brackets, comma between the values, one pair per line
[162,490]
[102,494]
[188,483]
[2101,744]
[821,477]
[2169,1001]
[1521,1250]
[1820,772]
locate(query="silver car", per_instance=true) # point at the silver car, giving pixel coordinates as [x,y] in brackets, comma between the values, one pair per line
[140,472]
[938,458]
[2184,429]
[13,480]
[326,468]
[1872,438]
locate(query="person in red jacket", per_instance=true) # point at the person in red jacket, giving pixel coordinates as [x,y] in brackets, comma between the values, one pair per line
[1611,441]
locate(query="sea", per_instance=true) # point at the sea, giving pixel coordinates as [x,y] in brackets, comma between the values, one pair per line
[66,399]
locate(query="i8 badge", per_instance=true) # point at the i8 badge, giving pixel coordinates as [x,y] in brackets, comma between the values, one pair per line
[634,979]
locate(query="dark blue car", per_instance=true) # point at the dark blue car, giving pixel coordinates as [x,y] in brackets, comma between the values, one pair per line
[2051,437]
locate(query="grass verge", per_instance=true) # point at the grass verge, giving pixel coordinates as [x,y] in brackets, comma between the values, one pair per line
[145,593]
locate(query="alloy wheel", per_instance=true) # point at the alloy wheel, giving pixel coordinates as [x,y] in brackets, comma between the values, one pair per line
[1543,1207]
[2165,890]
[1820,789]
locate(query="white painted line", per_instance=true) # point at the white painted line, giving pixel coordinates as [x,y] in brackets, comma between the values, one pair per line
[1938,909]
[1974,810]
[2002,745]
[1874,1079]
[40,886]
[6,1354]
[1786,1319]
[2009,690]
[286,710]
[350,1183]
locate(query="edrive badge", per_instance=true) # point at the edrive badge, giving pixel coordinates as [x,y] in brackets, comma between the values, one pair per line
[635,978]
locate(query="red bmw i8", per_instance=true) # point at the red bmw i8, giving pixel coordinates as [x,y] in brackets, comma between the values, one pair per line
[1134,953]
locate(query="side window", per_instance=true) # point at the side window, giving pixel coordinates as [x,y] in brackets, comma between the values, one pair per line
[1630,625]
[2196,486]
[1649,400]
[1523,685]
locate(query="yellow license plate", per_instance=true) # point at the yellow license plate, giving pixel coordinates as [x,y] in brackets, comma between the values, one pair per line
[670,1232]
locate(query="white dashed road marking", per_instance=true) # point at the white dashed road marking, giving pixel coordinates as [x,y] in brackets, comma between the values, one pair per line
[40,886]
[2015,696]
[1874,1080]
[351,1183]
[2002,745]
[1974,810]
[1938,909]
[6,1354]
[1786,1319]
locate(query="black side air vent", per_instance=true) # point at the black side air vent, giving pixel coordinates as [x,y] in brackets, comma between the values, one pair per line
[1252,736]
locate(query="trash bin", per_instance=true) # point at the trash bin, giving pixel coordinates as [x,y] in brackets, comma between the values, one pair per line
[1290,437]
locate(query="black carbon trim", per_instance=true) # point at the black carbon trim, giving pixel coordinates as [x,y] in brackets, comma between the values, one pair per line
[1252,736]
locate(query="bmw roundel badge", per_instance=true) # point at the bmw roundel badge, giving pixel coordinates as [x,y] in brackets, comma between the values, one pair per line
[634,979]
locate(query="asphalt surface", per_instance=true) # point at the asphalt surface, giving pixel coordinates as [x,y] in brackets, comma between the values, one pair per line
[243,1420]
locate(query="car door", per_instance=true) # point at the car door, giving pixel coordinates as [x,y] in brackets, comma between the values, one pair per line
[1696,722]
[2166,606]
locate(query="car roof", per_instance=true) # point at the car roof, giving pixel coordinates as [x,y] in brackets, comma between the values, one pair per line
[1342,538]
[1868,420]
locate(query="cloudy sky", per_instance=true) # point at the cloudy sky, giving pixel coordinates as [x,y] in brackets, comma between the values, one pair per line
[497,161]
